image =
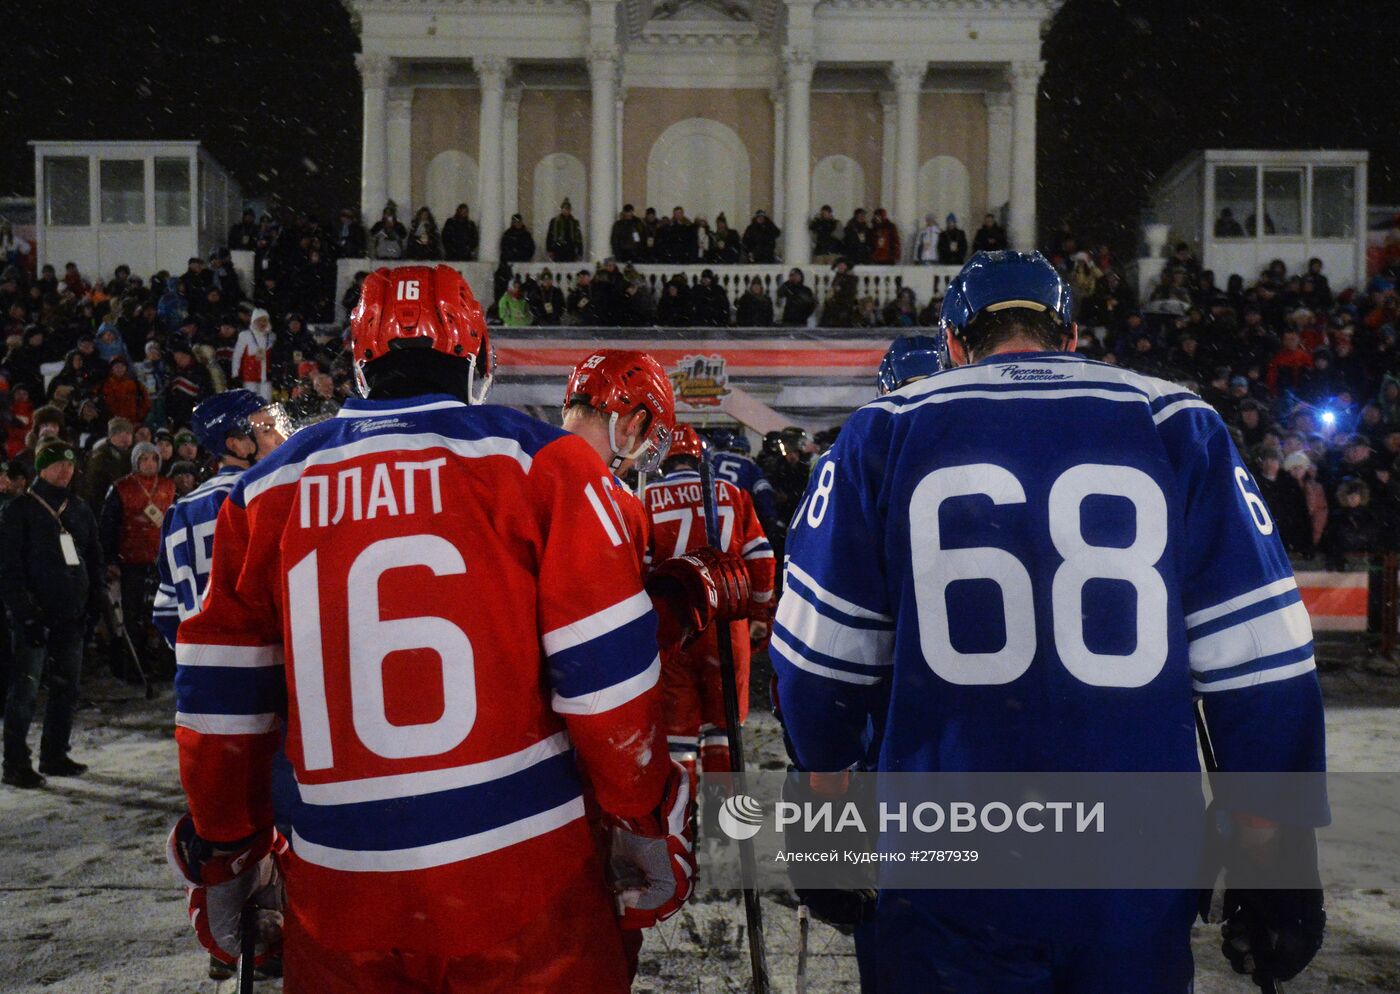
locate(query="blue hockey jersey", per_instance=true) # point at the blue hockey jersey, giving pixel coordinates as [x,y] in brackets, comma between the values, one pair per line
[745,474]
[186,544]
[1035,563]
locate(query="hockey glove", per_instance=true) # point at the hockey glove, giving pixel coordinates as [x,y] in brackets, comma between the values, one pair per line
[653,860]
[702,587]
[1272,934]
[221,879]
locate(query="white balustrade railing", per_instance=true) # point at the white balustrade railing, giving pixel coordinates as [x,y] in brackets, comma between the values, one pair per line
[883,283]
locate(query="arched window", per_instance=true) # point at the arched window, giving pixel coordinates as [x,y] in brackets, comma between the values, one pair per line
[703,166]
[944,188]
[558,176]
[451,181]
[839,181]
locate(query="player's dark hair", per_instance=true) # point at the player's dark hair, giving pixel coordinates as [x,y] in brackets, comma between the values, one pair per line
[672,463]
[412,372]
[992,329]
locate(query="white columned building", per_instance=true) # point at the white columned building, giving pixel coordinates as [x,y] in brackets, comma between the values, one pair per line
[798,67]
[908,84]
[1025,86]
[491,72]
[374,78]
[998,103]
[602,211]
[399,133]
[921,106]
[779,100]
[510,154]
[888,140]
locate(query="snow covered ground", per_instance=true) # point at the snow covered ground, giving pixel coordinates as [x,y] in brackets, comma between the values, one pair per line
[88,905]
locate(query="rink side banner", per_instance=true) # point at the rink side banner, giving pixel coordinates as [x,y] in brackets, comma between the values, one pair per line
[1054,830]
[1336,602]
[814,376]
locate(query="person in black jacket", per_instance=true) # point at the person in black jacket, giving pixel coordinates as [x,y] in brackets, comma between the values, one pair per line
[952,243]
[348,235]
[724,243]
[673,310]
[826,246]
[460,236]
[1284,499]
[626,239]
[710,302]
[991,237]
[50,580]
[755,308]
[856,241]
[243,235]
[761,240]
[517,244]
[676,241]
[546,300]
[796,299]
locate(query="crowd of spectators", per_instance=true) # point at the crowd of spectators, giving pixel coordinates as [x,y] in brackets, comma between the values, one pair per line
[108,371]
[1308,381]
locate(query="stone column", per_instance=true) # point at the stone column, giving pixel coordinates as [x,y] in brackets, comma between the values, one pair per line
[400,141]
[374,80]
[908,83]
[798,65]
[779,159]
[510,154]
[491,73]
[998,152]
[617,152]
[887,143]
[1025,87]
[602,207]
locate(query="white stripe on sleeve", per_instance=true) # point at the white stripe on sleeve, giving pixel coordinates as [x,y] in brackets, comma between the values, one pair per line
[1283,630]
[598,701]
[597,624]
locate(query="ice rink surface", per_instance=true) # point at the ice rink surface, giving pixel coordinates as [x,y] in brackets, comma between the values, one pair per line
[89,905]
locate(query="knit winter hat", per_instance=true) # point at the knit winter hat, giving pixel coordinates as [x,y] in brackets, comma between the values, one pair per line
[116,425]
[141,449]
[259,314]
[52,451]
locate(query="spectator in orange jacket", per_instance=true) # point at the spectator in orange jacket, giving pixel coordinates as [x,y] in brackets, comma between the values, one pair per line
[1289,367]
[124,395]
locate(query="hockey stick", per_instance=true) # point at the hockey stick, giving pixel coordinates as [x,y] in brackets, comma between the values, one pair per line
[116,622]
[804,926]
[1267,985]
[247,952]
[753,911]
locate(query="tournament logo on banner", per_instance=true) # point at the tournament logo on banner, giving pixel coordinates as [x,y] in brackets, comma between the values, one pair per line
[700,380]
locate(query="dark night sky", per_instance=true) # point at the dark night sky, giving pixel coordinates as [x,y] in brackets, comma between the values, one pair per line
[270,87]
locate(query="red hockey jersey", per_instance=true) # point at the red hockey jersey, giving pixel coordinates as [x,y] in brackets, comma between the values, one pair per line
[675,505]
[437,602]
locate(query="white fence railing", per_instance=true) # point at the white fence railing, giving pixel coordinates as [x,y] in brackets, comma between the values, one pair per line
[883,283]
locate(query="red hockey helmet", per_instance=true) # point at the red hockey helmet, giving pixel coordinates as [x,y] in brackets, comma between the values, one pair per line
[422,304]
[618,382]
[686,442]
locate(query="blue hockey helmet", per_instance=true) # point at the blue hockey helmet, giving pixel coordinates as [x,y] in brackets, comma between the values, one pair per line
[910,358]
[222,415]
[994,281]
[728,440]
